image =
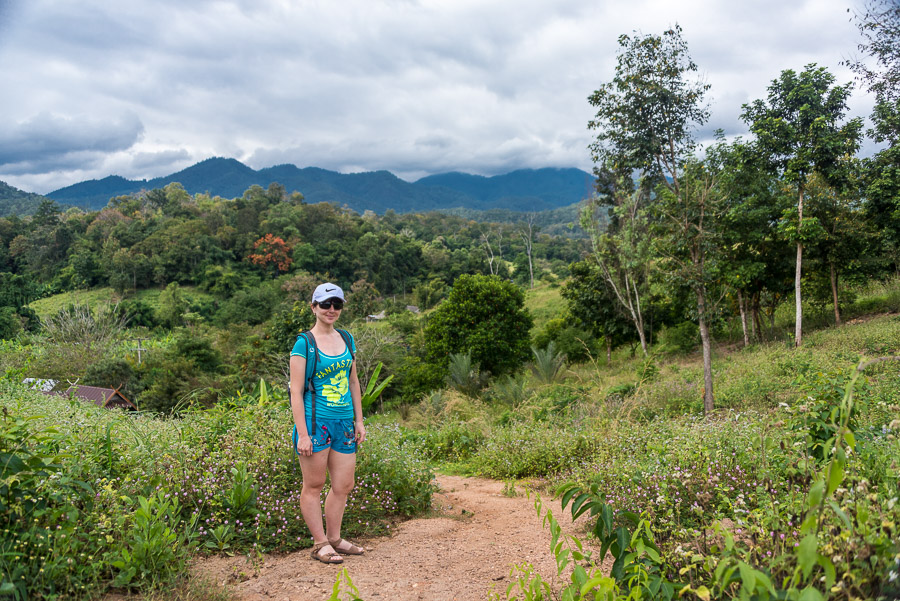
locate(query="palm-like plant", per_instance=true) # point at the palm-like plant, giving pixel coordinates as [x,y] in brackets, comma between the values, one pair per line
[548,363]
[464,376]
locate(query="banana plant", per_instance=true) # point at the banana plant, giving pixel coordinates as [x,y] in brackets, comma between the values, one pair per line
[374,391]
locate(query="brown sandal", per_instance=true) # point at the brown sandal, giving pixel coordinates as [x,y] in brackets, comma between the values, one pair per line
[353,550]
[332,557]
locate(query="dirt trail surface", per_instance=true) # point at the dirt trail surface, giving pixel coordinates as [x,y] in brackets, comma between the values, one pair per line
[467,548]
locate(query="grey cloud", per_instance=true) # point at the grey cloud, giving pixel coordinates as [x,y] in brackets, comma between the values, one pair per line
[47,142]
[155,161]
[413,87]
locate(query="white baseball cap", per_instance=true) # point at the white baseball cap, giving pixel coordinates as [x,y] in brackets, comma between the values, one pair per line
[327,290]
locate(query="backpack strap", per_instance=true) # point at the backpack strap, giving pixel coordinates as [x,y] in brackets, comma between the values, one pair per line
[311,365]
[348,341]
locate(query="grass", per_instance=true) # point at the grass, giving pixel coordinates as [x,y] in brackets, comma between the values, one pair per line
[544,302]
[95,297]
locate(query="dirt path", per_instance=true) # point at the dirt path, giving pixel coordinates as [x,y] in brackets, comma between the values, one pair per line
[460,554]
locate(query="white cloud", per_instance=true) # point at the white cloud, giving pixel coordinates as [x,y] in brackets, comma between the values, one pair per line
[415,87]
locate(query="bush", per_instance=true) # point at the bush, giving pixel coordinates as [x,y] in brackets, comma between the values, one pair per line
[452,442]
[485,316]
[250,306]
[548,363]
[532,450]
[138,312]
[682,338]
[110,500]
[577,344]
[10,323]
[110,372]
[287,323]
[464,377]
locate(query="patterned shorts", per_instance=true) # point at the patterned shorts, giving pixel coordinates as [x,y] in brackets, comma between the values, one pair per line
[337,434]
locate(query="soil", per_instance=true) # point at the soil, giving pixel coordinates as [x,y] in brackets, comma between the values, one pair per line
[465,548]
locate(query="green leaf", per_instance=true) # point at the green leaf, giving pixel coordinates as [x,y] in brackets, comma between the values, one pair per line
[850,439]
[578,506]
[702,592]
[810,594]
[835,475]
[830,572]
[840,513]
[10,464]
[806,554]
[748,576]
[7,588]
[816,493]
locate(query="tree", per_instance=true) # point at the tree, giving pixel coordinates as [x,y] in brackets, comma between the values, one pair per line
[689,223]
[645,119]
[526,232]
[879,24]
[484,316]
[593,306]
[623,254]
[755,258]
[646,114]
[362,299]
[799,128]
[271,251]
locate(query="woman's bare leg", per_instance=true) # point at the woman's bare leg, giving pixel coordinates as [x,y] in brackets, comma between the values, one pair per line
[314,470]
[342,469]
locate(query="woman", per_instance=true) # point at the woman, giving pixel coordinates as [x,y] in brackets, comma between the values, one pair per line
[327,408]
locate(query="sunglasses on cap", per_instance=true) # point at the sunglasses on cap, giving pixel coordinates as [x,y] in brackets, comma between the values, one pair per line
[337,304]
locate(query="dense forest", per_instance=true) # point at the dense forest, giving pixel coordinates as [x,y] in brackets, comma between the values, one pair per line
[213,264]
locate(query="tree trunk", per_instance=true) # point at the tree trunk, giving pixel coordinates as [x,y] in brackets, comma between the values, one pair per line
[798,328]
[772,308]
[707,353]
[834,294]
[530,268]
[757,324]
[743,308]
[643,338]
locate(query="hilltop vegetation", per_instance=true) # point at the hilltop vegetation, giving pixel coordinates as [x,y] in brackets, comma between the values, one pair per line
[16,202]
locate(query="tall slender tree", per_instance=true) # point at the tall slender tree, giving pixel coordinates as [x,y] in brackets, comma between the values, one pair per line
[645,122]
[800,128]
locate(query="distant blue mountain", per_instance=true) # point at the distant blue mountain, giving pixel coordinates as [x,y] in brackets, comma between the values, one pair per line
[379,191]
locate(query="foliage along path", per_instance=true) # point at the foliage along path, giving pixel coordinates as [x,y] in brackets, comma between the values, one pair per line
[469,546]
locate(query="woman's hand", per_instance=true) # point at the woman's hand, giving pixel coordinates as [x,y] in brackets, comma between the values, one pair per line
[360,431]
[305,446]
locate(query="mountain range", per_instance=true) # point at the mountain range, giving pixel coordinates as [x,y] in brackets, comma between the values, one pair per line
[379,191]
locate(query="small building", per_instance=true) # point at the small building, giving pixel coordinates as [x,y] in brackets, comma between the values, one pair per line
[109,398]
[412,308]
[376,317]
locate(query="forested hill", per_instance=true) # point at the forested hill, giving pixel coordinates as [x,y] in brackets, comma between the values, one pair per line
[522,190]
[16,202]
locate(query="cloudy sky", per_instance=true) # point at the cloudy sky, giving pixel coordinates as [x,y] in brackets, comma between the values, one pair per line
[144,88]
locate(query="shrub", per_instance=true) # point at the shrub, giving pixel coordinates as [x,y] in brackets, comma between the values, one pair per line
[10,324]
[111,372]
[464,377]
[485,316]
[252,306]
[133,496]
[138,312]
[283,328]
[532,450]
[547,365]
[681,338]
[577,344]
